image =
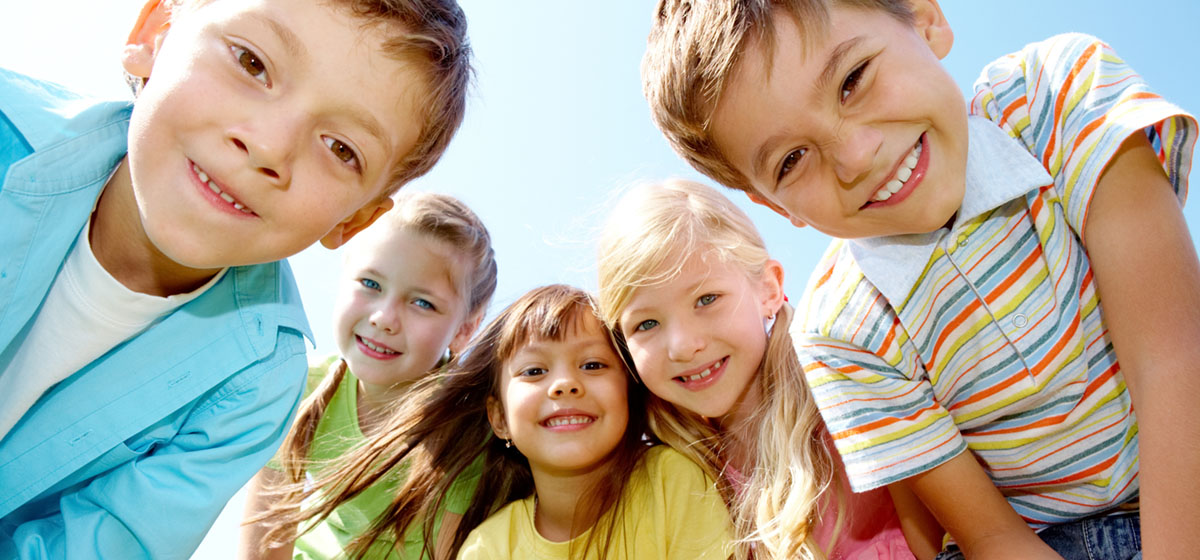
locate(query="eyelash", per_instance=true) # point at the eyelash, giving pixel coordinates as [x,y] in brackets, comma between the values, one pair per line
[251,64]
[850,84]
[424,304]
[789,162]
[340,149]
[369,284]
[646,325]
[593,366]
[706,300]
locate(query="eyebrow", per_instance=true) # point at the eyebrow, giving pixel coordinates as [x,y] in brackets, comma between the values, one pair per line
[291,41]
[823,80]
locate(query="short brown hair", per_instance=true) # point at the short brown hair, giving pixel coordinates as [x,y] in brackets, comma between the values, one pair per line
[693,48]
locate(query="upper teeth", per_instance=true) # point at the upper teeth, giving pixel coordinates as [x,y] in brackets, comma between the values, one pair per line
[902,175]
[565,420]
[377,348]
[704,373]
[217,190]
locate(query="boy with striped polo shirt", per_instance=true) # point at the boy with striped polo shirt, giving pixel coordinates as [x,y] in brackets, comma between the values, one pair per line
[993,262]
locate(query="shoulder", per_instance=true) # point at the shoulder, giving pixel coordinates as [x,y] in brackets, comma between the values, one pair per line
[499,533]
[837,296]
[663,466]
[1039,66]
[45,113]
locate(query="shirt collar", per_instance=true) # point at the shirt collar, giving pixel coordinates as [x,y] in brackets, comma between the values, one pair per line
[999,169]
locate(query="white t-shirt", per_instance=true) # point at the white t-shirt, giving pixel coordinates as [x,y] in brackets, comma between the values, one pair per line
[86,313]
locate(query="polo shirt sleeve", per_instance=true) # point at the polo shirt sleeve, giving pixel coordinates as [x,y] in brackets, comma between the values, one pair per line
[878,405]
[1072,102]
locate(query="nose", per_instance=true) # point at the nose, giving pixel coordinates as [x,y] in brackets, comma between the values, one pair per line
[564,385]
[853,152]
[683,343]
[268,140]
[386,318]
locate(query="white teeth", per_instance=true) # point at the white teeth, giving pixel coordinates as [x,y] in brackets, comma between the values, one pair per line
[902,175]
[379,349]
[217,190]
[568,420]
[704,373]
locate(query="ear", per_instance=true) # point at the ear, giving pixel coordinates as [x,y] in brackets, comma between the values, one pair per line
[771,297]
[931,24]
[762,201]
[495,414]
[145,38]
[463,335]
[357,222]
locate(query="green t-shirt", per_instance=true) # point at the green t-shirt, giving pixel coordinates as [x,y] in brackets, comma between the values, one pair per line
[337,433]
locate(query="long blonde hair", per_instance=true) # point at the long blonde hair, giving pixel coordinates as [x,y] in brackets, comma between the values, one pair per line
[643,244]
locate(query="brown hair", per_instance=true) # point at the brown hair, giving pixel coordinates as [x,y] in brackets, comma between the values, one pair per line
[693,48]
[441,217]
[431,35]
[442,428]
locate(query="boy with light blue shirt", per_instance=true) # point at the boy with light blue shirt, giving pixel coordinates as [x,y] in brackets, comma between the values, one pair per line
[994,258]
[151,339]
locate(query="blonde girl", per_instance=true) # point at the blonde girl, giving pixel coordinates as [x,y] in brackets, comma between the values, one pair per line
[413,288]
[686,282]
[543,400]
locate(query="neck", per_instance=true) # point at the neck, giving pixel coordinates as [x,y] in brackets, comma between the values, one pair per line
[558,517]
[119,241]
[373,403]
[739,428]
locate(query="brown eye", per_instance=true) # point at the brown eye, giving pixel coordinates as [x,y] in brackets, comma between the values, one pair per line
[250,63]
[343,152]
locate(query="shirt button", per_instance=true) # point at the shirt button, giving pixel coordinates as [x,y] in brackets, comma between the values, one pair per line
[1020,321]
[962,241]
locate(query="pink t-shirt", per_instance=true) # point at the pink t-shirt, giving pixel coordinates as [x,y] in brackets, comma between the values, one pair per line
[870,526]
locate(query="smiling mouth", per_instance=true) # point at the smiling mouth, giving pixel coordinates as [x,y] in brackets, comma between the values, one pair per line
[903,174]
[376,347]
[703,374]
[212,186]
[573,420]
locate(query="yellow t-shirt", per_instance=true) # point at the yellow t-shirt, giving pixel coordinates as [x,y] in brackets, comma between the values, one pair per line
[670,510]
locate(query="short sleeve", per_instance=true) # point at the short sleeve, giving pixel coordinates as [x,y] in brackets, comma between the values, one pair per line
[1072,102]
[885,423]
[698,523]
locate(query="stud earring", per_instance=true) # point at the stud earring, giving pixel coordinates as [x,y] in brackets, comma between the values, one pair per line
[507,443]
[769,323]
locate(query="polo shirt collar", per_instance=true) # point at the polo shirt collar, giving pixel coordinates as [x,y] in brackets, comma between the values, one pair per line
[999,169]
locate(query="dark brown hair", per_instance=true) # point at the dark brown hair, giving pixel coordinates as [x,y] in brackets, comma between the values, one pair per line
[442,427]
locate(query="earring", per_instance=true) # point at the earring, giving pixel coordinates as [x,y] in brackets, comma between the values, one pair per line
[769,323]
[507,443]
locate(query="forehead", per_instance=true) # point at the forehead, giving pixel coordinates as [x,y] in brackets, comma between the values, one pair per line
[404,255]
[333,57]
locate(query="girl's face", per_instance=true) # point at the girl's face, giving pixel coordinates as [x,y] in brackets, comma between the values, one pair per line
[399,306]
[563,403]
[698,339]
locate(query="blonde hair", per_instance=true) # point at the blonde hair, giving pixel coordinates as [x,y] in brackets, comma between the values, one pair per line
[693,48]
[442,428]
[643,244]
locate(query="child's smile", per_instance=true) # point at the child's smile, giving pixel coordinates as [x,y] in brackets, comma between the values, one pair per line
[220,197]
[859,133]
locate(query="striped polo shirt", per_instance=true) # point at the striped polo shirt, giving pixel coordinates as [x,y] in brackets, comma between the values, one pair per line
[988,335]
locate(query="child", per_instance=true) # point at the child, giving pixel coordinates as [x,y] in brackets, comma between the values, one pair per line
[414,287]
[151,341]
[569,452]
[961,307]
[686,281]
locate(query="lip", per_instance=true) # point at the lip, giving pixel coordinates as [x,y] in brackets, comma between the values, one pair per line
[914,180]
[701,384]
[371,353]
[564,413]
[213,198]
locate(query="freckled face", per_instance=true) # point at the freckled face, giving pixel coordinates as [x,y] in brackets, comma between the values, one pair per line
[861,134]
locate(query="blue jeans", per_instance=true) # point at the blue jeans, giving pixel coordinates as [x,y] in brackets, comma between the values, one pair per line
[1108,537]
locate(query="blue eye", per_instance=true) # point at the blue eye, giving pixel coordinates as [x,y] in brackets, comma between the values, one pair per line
[646,325]
[424,304]
[706,299]
[369,284]
[251,63]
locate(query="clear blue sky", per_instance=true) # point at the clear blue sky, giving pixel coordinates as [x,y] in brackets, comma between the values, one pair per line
[557,122]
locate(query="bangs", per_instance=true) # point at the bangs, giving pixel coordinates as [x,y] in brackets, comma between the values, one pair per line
[551,317]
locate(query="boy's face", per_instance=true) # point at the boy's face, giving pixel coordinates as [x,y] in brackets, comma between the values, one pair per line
[860,134]
[265,125]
